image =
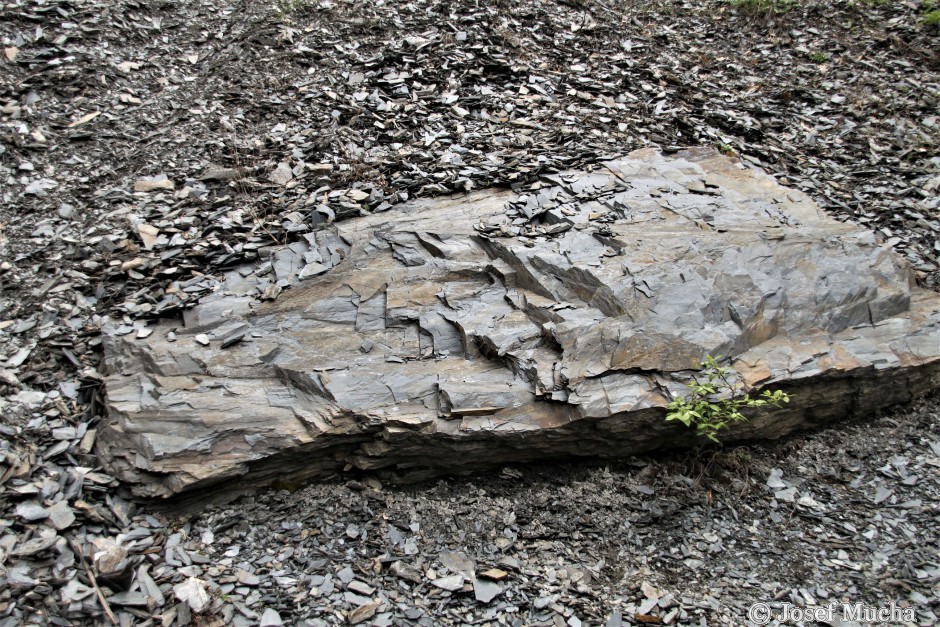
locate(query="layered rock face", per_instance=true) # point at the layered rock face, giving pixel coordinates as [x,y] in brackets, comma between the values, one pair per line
[452,335]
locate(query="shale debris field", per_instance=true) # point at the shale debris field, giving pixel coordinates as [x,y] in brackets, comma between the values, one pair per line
[153,154]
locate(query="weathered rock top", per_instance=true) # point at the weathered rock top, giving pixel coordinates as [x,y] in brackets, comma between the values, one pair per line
[448,335]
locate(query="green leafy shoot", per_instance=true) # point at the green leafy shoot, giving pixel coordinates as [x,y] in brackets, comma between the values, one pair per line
[714,403]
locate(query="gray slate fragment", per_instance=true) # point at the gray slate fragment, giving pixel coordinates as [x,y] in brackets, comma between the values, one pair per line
[151,587]
[246,578]
[136,599]
[282,174]
[61,515]
[360,587]
[775,480]
[31,511]
[270,618]
[405,571]
[345,574]
[193,592]
[882,494]
[458,562]
[485,591]
[45,539]
[234,336]
[449,583]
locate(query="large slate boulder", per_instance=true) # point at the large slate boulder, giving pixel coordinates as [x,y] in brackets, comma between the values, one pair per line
[451,335]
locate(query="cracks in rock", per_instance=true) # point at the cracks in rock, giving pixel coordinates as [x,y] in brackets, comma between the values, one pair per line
[406,247]
[591,291]
[372,313]
[524,277]
[269,357]
[310,383]
[701,224]
[424,239]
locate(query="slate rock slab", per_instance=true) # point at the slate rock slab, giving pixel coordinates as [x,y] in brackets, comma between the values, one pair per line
[452,335]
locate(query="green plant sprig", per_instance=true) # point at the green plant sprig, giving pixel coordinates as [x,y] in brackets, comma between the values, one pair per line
[708,413]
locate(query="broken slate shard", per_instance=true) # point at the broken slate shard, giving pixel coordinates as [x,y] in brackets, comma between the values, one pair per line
[454,334]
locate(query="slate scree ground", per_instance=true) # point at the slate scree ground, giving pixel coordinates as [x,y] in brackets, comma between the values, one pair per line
[245,245]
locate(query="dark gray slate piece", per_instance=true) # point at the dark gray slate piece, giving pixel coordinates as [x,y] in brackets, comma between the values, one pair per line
[451,335]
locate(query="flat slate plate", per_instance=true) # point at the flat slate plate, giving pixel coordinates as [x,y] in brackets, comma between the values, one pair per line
[451,335]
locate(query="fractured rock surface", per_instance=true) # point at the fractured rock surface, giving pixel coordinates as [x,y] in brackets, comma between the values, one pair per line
[450,335]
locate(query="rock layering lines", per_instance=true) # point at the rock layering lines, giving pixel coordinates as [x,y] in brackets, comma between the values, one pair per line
[450,335]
